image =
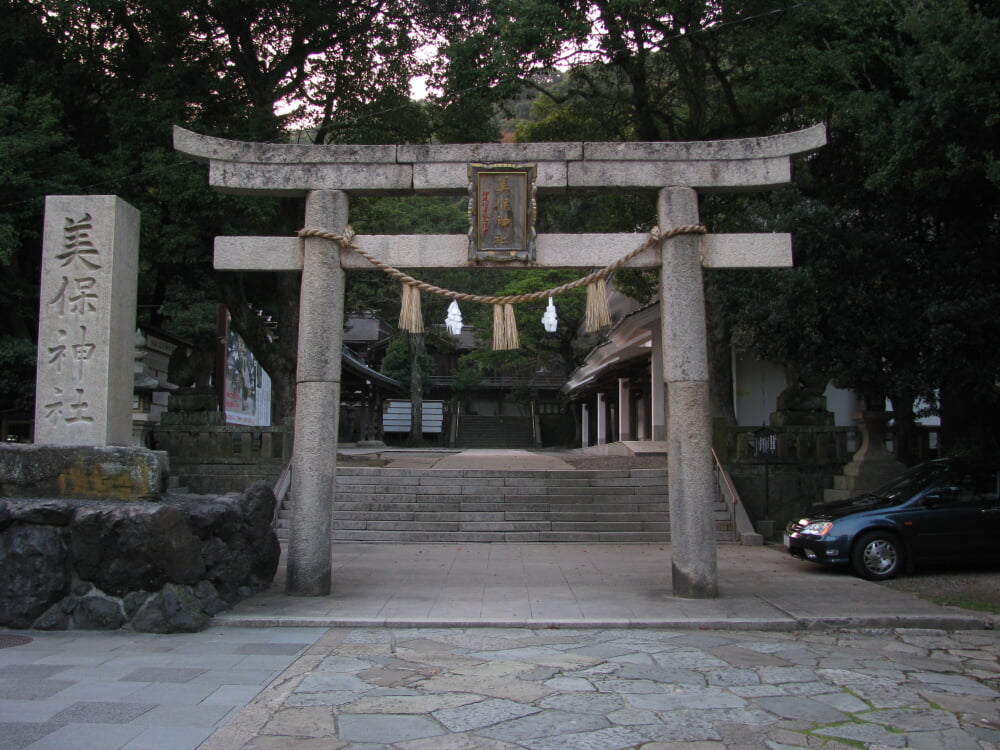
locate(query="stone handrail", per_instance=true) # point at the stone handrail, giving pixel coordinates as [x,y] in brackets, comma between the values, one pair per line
[742,526]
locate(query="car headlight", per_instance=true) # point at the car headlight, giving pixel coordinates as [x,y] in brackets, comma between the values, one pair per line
[816,528]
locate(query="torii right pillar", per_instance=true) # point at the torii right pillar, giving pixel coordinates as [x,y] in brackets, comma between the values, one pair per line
[689,426]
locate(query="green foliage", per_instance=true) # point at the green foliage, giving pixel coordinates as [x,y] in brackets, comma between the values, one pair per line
[17,373]
[411,215]
[398,361]
[896,220]
[88,96]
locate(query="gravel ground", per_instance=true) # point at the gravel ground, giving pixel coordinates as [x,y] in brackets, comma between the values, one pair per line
[969,586]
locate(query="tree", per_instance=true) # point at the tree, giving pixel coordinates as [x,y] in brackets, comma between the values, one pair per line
[894,220]
[897,220]
[117,74]
[660,70]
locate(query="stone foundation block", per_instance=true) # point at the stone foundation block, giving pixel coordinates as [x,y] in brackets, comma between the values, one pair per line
[110,472]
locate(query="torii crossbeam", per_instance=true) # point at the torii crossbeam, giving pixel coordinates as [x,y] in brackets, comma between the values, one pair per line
[328,175]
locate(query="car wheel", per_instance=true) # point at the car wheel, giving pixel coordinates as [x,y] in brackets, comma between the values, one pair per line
[877,555]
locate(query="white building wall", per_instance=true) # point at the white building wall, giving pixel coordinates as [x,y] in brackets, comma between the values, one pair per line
[756,385]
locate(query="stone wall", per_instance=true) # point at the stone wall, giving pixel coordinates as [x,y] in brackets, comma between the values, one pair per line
[215,458]
[160,567]
[791,489]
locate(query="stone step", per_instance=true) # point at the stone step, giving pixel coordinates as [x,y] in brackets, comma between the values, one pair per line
[375,504]
[494,432]
[513,479]
[427,537]
[499,510]
[539,514]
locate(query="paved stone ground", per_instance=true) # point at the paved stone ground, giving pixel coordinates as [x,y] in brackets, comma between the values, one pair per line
[501,689]
[98,690]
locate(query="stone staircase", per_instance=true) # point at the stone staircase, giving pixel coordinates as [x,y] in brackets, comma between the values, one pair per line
[466,505]
[494,432]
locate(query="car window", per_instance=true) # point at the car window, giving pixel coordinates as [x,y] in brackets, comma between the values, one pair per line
[980,487]
[906,486]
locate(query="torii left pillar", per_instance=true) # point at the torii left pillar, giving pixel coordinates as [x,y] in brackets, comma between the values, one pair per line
[690,476]
[317,399]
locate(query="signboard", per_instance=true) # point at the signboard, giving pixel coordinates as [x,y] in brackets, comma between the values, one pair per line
[502,210]
[247,394]
[397,416]
[765,442]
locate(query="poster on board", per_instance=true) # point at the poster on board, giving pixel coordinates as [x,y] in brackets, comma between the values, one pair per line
[247,387]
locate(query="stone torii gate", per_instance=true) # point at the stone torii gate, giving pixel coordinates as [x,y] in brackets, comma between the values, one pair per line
[328,175]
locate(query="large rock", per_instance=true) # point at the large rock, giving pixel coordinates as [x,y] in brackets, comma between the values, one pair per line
[161,566]
[97,611]
[251,551]
[173,610]
[34,572]
[128,547]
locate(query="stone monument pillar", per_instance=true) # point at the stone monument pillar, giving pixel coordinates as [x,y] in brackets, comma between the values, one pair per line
[86,329]
[317,399]
[689,426]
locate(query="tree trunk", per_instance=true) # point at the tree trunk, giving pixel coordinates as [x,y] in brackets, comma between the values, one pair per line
[416,436]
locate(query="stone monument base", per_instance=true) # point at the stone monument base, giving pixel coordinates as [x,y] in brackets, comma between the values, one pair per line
[158,567]
[107,473]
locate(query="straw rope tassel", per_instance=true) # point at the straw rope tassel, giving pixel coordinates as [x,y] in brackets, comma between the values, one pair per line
[598,315]
[510,321]
[504,328]
[410,317]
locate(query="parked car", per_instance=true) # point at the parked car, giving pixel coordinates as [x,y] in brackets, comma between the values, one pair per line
[948,509]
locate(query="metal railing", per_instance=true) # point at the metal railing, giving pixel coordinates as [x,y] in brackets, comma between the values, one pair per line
[743,530]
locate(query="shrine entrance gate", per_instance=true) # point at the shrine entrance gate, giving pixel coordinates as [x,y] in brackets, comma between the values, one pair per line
[327,175]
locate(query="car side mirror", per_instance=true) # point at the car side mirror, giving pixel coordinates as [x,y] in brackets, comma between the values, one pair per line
[931,499]
[943,496]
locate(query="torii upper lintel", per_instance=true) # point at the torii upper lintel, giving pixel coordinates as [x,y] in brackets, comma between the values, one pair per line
[293,169]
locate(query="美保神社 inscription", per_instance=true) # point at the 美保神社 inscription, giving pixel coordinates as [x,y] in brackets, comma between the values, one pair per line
[502,210]
[86,321]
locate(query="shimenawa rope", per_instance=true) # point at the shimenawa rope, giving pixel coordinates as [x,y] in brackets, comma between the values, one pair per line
[505,330]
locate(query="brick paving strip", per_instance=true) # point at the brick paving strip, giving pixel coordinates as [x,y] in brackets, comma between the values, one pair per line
[560,689]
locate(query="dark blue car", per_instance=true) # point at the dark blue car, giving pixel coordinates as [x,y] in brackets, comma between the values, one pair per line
[948,509]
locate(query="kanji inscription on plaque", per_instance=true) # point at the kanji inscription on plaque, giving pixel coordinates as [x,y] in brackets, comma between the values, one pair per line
[502,210]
